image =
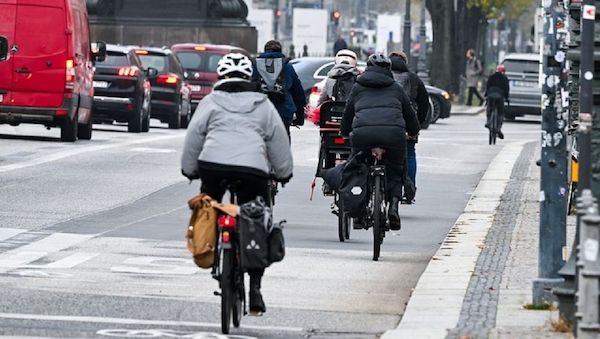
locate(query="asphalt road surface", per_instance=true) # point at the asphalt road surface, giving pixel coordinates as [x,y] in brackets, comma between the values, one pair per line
[91,238]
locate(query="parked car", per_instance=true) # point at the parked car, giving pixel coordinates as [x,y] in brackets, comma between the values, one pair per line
[199,63]
[523,73]
[46,67]
[170,99]
[122,90]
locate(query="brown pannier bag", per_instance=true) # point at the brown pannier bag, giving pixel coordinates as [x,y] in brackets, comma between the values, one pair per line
[202,229]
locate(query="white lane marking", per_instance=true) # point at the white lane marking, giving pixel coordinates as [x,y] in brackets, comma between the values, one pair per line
[152,150]
[130,321]
[162,333]
[7,233]
[56,242]
[68,262]
[79,150]
[156,265]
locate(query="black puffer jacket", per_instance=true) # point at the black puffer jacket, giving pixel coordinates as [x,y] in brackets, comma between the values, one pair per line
[379,109]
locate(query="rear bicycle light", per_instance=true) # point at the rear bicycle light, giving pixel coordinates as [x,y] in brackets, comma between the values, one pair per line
[339,141]
[227,222]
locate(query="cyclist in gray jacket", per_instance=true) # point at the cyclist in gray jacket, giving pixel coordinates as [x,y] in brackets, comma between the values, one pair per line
[236,134]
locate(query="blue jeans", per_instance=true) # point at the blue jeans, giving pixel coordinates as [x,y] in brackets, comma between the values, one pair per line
[411,158]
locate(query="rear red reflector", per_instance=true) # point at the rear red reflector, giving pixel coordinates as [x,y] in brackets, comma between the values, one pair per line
[226,237]
[339,141]
[61,112]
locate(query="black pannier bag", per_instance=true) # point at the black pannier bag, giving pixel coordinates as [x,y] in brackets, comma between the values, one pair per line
[276,242]
[254,225]
[354,187]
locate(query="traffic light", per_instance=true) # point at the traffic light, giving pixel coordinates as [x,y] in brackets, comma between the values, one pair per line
[335,17]
[278,13]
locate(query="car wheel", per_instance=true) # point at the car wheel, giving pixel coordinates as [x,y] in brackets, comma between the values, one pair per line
[136,121]
[146,121]
[425,124]
[84,131]
[436,110]
[175,119]
[185,120]
[68,129]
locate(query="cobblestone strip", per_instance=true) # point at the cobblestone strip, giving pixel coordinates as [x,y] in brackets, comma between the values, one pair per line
[478,313]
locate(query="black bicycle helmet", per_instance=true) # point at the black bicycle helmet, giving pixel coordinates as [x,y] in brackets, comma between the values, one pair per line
[379,59]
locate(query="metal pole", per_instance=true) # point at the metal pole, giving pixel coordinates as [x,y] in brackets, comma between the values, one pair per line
[586,99]
[553,190]
[589,275]
[406,38]
[276,21]
[422,65]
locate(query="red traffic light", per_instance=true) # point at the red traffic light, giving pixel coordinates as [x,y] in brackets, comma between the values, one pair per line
[337,14]
[278,13]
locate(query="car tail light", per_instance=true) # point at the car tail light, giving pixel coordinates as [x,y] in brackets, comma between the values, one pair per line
[315,91]
[128,71]
[61,112]
[168,79]
[339,141]
[70,75]
[227,222]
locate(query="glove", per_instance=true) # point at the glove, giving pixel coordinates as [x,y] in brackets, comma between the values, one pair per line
[299,119]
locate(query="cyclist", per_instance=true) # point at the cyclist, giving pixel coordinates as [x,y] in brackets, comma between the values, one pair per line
[236,134]
[497,91]
[340,78]
[414,87]
[378,114]
[278,79]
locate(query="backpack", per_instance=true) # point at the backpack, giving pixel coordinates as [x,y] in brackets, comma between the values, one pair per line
[403,79]
[354,187]
[342,88]
[273,82]
[202,228]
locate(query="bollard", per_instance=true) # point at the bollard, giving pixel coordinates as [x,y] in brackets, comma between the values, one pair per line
[588,262]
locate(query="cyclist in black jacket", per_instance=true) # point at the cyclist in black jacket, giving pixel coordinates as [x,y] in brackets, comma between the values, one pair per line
[497,91]
[378,114]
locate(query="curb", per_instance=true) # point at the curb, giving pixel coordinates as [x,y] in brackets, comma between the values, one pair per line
[436,302]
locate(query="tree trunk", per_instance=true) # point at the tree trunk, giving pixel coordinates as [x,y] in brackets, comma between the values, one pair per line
[443,65]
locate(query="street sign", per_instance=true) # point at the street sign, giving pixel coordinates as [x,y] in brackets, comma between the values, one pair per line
[589,12]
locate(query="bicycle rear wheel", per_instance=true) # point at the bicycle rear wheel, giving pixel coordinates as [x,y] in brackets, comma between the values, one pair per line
[343,220]
[493,126]
[378,217]
[226,290]
[238,297]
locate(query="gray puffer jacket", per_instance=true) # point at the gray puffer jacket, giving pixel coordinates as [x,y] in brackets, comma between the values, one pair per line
[238,129]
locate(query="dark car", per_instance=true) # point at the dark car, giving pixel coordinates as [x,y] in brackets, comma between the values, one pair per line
[170,98]
[440,102]
[199,63]
[312,70]
[122,90]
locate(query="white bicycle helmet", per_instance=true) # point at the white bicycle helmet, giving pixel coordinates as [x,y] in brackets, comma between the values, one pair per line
[345,56]
[234,65]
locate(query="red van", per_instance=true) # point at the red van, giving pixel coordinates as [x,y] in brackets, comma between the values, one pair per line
[46,74]
[200,64]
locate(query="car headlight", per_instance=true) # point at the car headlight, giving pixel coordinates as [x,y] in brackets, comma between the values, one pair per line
[446,95]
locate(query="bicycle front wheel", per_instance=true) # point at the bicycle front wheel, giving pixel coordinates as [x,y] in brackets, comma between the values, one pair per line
[226,290]
[378,217]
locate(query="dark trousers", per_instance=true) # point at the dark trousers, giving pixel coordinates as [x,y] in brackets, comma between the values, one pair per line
[473,90]
[250,187]
[499,104]
[411,157]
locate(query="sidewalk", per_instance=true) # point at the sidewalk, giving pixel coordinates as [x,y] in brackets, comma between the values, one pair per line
[477,283]
[466,110]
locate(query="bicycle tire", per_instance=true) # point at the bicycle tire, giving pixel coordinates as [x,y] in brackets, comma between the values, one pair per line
[238,296]
[226,291]
[493,126]
[377,217]
[341,218]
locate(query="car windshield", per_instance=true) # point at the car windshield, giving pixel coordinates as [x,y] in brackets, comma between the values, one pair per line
[115,59]
[521,66]
[203,62]
[155,61]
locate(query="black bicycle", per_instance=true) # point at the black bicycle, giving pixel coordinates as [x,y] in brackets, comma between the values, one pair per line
[227,268]
[493,124]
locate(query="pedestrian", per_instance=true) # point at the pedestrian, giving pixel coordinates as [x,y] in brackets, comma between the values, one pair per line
[339,44]
[278,79]
[236,135]
[416,91]
[497,91]
[473,71]
[305,50]
[292,52]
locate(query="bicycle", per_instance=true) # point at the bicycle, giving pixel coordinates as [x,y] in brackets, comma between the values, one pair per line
[493,124]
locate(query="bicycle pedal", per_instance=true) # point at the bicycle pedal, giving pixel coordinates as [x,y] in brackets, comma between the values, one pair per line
[217,293]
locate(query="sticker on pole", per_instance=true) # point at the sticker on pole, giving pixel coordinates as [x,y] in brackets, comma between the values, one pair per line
[590,249]
[589,12]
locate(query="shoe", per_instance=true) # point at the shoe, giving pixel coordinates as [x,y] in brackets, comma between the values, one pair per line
[393,215]
[487,125]
[500,135]
[256,301]
[327,191]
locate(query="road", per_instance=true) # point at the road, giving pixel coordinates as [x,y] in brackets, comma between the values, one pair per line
[91,238]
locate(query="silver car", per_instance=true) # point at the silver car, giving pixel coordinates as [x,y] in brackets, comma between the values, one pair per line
[523,73]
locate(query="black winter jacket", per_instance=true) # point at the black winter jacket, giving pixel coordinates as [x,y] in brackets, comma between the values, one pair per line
[379,109]
[497,86]
[418,92]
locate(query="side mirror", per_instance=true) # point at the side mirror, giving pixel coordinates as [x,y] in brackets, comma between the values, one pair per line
[151,72]
[99,51]
[3,48]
